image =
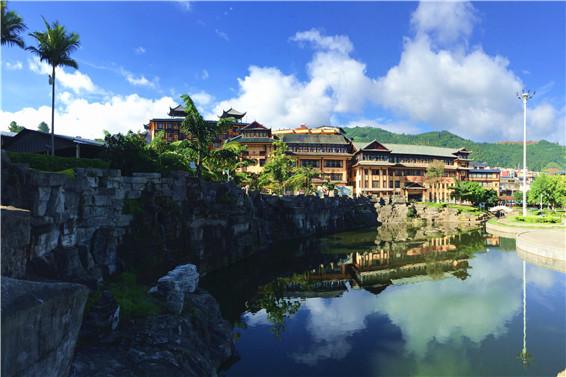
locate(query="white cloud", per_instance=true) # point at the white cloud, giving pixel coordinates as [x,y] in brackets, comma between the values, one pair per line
[202,99]
[140,80]
[15,66]
[78,116]
[185,4]
[396,127]
[465,91]
[139,50]
[222,35]
[77,81]
[338,43]
[447,21]
[204,74]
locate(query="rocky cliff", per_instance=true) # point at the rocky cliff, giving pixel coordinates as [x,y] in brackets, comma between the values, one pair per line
[89,226]
[422,214]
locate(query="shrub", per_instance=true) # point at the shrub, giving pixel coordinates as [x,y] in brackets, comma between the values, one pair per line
[132,297]
[538,219]
[55,163]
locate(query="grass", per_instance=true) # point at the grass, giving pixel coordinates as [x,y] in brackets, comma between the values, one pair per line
[132,297]
[513,223]
[55,163]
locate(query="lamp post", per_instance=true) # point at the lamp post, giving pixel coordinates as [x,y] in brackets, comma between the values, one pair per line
[524,96]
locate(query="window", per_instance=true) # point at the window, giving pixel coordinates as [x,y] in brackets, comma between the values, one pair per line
[310,163]
[336,177]
[333,163]
[261,162]
[375,172]
[374,184]
[390,184]
[366,171]
[397,184]
[159,125]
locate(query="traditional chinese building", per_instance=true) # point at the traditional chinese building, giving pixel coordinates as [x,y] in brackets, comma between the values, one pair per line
[171,126]
[259,142]
[388,170]
[325,149]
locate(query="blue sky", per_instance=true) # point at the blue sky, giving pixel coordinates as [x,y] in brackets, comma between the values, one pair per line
[404,66]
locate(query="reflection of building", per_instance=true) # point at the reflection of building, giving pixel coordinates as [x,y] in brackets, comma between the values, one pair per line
[385,262]
[398,169]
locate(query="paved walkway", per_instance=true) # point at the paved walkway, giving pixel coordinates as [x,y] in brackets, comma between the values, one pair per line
[545,247]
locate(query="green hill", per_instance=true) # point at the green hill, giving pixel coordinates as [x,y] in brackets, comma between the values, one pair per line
[539,154]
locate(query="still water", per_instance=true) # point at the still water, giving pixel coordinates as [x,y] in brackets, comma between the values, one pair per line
[395,301]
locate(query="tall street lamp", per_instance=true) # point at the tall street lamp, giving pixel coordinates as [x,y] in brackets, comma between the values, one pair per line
[525,96]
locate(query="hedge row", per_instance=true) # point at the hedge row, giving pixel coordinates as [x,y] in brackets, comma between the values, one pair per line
[55,163]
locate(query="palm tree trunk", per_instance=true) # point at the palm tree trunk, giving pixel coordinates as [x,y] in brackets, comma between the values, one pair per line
[53,112]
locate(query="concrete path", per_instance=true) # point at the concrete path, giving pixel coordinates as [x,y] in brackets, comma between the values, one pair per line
[546,247]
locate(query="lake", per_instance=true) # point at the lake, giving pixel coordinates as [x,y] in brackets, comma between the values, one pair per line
[394,301]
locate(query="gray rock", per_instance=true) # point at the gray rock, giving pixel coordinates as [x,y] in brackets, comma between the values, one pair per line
[40,325]
[15,241]
[174,286]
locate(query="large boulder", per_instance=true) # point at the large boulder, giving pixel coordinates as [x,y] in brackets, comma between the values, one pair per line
[195,343]
[40,325]
[174,286]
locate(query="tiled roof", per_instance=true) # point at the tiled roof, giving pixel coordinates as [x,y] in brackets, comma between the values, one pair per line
[480,171]
[241,139]
[314,139]
[411,149]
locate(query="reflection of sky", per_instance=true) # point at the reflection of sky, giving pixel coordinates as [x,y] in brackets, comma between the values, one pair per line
[429,313]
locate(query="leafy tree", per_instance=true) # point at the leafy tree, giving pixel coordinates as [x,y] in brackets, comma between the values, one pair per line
[12,27]
[200,134]
[223,164]
[55,46]
[128,153]
[278,169]
[551,189]
[15,127]
[302,179]
[473,192]
[43,127]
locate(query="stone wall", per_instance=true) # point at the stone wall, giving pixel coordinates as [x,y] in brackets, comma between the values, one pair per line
[422,214]
[87,227]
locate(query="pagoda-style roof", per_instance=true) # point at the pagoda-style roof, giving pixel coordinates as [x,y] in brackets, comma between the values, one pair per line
[372,146]
[254,126]
[232,113]
[177,111]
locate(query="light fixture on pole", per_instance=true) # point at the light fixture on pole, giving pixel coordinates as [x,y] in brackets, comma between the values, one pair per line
[524,96]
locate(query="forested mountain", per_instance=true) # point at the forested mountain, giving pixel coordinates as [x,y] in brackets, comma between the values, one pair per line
[539,154]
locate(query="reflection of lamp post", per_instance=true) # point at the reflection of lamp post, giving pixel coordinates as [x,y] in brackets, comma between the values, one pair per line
[525,96]
[524,355]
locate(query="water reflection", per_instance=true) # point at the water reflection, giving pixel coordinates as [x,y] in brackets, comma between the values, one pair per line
[398,301]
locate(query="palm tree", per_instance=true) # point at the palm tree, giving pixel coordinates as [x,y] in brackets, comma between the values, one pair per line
[12,26]
[55,46]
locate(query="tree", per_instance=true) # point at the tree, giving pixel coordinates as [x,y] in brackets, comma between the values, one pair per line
[434,173]
[473,192]
[278,169]
[200,134]
[55,46]
[15,127]
[223,164]
[43,127]
[550,189]
[12,27]
[302,179]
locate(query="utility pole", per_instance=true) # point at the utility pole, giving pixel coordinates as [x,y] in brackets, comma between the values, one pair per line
[524,96]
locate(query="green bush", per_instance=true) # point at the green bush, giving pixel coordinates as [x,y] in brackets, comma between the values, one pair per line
[538,219]
[132,297]
[55,163]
